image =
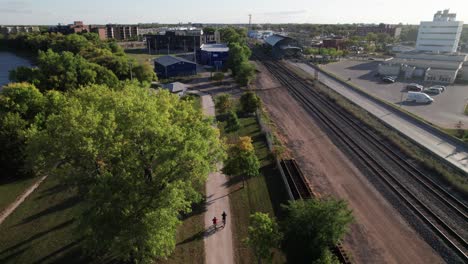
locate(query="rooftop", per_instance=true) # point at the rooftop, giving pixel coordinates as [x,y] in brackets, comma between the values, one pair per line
[169,60]
[175,87]
[215,47]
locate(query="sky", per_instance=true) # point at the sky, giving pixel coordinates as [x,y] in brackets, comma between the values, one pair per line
[52,12]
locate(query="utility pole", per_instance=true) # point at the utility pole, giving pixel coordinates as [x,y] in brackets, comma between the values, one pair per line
[194,50]
[250,21]
[149,45]
[131,71]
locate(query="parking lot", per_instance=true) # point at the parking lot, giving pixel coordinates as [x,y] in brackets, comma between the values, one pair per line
[446,110]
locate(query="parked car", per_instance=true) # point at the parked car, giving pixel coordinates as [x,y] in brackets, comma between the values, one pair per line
[414,87]
[417,97]
[441,87]
[432,90]
[388,79]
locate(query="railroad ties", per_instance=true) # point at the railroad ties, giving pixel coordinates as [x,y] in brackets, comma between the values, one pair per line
[301,190]
[443,213]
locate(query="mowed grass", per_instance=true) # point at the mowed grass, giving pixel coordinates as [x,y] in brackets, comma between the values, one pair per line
[42,228]
[141,55]
[263,193]
[10,190]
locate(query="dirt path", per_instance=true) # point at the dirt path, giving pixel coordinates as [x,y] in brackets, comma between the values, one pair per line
[218,243]
[11,208]
[380,234]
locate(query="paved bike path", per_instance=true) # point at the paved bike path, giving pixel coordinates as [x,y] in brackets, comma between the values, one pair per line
[218,243]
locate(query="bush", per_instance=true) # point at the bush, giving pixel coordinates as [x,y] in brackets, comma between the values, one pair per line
[219,76]
[233,123]
[223,103]
[249,102]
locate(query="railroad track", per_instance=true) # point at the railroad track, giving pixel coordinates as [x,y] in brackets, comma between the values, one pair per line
[301,190]
[443,213]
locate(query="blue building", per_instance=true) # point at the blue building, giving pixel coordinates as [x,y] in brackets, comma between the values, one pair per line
[170,66]
[215,55]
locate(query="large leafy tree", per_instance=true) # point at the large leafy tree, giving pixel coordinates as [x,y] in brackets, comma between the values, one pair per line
[311,226]
[263,236]
[135,156]
[21,105]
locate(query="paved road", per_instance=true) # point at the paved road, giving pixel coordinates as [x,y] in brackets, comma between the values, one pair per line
[218,242]
[455,154]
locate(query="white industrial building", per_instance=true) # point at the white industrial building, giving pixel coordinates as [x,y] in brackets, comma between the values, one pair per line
[435,58]
[440,35]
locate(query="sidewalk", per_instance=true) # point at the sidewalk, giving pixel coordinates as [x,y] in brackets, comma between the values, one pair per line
[218,243]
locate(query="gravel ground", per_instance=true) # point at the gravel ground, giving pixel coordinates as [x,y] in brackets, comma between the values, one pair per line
[331,172]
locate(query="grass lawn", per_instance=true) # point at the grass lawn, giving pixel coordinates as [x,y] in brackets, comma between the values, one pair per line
[263,193]
[11,189]
[42,228]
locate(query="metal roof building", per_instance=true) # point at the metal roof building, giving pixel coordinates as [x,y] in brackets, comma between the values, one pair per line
[282,46]
[215,55]
[171,66]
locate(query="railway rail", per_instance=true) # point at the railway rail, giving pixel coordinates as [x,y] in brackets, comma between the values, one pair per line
[443,213]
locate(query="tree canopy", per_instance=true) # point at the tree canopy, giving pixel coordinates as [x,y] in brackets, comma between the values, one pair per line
[263,235]
[242,159]
[250,102]
[311,226]
[135,156]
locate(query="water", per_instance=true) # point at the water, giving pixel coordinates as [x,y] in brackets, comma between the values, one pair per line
[9,61]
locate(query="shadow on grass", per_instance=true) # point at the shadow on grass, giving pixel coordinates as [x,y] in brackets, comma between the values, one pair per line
[276,189]
[51,190]
[67,257]
[12,255]
[68,203]
[39,235]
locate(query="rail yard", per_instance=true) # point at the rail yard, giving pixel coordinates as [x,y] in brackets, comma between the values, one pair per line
[444,216]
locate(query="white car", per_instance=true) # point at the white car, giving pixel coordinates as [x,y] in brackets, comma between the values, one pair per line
[417,97]
[440,87]
[432,90]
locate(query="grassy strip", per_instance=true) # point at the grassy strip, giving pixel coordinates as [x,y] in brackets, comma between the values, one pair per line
[11,190]
[263,193]
[466,109]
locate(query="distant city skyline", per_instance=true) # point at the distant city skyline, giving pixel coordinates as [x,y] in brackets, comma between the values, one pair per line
[52,12]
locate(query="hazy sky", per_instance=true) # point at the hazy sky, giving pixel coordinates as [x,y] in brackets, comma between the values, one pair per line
[221,11]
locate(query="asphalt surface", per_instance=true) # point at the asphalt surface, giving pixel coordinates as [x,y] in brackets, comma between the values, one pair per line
[446,110]
[455,154]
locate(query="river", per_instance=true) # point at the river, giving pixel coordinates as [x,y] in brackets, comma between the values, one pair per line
[9,61]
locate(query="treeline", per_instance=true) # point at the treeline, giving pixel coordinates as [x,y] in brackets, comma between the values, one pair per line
[68,61]
[239,54]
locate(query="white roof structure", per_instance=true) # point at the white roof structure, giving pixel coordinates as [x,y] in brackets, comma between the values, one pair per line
[444,65]
[214,47]
[175,87]
[273,39]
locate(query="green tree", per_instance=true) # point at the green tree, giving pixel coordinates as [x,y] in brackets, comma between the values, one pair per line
[263,236]
[223,103]
[242,159]
[21,105]
[245,74]
[232,122]
[135,158]
[311,226]
[371,37]
[144,73]
[249,102]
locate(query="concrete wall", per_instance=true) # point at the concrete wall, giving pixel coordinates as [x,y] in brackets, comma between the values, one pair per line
[441,76]
[389,69]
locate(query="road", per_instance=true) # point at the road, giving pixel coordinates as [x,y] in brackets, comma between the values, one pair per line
[456,154]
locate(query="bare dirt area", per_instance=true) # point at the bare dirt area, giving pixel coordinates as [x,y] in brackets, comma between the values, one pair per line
[380,234]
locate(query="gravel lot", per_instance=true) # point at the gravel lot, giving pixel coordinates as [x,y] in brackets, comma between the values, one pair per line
[446,110]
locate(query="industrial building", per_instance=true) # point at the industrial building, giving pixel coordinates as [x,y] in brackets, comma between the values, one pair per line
[392,30]
[435,58]
[440,35]
[181,39]
[215,55]
[171,66]
[7,30]
[336,43]
[121,32]
[76,27]
[282,46]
